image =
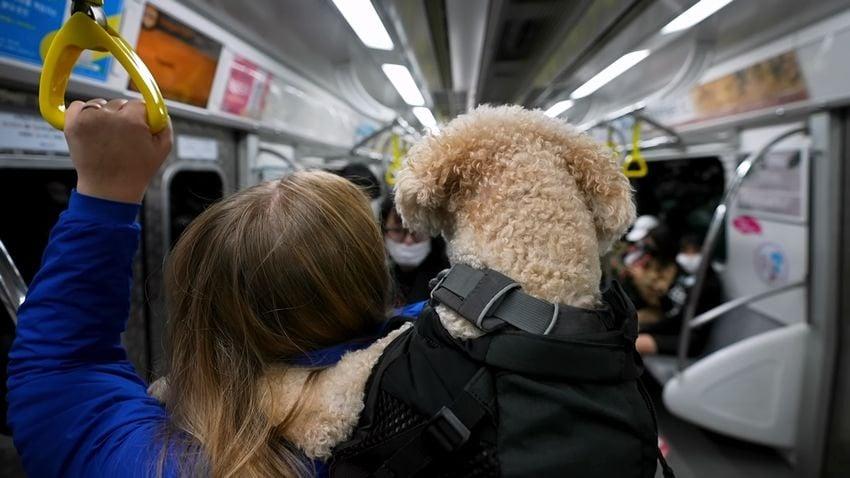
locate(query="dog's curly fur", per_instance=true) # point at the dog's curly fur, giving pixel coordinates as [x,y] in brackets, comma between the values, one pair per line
[521,193]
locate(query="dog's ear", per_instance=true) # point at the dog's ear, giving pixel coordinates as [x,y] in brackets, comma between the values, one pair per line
[421,188]
[606,189]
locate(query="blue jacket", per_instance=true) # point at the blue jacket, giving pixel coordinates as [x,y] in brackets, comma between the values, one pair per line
[77,408]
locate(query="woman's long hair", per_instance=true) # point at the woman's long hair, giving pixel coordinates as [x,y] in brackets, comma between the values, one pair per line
[261,277]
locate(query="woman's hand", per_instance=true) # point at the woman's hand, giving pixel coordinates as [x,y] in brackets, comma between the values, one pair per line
[112,148]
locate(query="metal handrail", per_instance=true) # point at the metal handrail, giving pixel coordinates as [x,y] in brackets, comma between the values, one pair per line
[13,289]
[710,315]
[710,243]
[677,138]
[397,121]
[272,152]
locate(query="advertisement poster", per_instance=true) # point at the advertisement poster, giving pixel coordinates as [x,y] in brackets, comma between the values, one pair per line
[771,82]
[27,132]
[182,59]
[25,23]
[28,26]
[778,187]
[246,90]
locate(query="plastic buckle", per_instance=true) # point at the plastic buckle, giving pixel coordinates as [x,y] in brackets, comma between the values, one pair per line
[447,430]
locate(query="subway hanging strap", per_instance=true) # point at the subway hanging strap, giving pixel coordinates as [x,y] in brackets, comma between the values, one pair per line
[635,164]
[87,29]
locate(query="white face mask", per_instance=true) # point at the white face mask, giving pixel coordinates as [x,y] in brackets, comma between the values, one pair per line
[408,255]
[376,208]
[689,262]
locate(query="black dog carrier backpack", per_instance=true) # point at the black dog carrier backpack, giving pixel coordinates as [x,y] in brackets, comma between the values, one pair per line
[548,390]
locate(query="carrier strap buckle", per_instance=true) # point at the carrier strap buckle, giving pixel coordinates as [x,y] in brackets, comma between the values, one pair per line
[489,299]
[447,430]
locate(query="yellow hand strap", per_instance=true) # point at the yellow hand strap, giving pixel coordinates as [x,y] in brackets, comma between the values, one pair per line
[398,155]
[81,32]
[635,165]
[611,143]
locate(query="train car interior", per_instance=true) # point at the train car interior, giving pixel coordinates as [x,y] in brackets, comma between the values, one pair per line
[731,119]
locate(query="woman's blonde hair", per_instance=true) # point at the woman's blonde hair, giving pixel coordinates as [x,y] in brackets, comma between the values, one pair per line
[259,278]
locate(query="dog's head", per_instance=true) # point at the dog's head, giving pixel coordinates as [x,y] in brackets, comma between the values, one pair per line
[522,193]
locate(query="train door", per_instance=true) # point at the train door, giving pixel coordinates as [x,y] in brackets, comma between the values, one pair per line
[202,169]
[772,344]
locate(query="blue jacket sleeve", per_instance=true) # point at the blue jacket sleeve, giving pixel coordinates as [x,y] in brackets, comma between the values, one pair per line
[76,405]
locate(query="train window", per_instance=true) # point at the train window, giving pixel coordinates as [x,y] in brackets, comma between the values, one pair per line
[683,193]
[189,193]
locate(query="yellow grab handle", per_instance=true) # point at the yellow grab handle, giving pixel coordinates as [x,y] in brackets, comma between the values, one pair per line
[80,33]
[396,163]
[636,157]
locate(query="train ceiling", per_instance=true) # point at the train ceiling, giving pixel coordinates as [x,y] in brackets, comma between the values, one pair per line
[466,52]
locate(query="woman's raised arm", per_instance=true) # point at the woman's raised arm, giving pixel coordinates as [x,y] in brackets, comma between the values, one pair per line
[76,405]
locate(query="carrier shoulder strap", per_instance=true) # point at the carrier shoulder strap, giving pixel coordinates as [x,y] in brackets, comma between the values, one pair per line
[489,299]
[447,431]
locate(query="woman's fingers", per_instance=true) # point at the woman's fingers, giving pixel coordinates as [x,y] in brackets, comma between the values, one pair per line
[96,104]
[116,105]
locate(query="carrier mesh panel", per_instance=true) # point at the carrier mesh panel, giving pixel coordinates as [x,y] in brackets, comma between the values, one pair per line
[392,416]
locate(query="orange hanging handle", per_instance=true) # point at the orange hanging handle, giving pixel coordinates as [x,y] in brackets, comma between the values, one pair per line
[85,32]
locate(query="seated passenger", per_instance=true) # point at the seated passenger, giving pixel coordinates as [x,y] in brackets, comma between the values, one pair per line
[415,258]
[651,271]
[276,275]
[661,322]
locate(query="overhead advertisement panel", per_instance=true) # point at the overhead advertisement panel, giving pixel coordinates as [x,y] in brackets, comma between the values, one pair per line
[27,27]
[182,59]
[772,82]
[24,24]
[247,89]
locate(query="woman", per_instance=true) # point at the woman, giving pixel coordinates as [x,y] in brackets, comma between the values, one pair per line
[285,270]
[416,259]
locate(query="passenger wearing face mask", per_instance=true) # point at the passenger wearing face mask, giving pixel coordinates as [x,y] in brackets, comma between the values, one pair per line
[662,335]
[416,259]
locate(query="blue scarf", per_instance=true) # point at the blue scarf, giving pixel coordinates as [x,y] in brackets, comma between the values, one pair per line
[331,355]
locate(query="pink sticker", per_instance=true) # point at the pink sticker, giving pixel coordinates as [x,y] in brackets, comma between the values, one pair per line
[747,225]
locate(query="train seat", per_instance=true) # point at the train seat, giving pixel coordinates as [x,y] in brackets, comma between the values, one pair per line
[748,389]
[732,327]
